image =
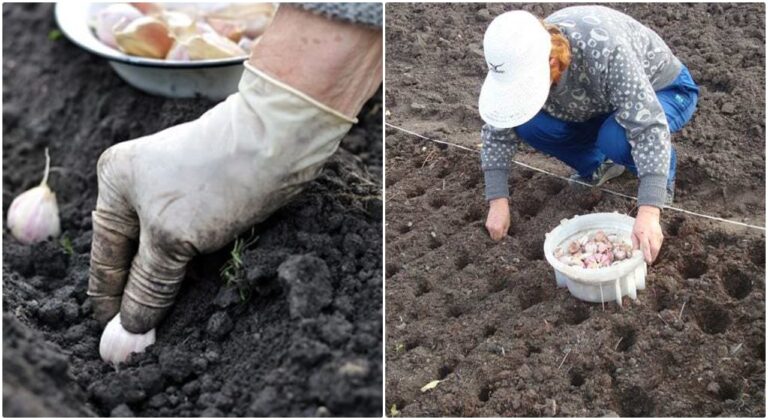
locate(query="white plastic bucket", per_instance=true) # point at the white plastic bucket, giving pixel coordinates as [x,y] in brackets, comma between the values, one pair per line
[597,284]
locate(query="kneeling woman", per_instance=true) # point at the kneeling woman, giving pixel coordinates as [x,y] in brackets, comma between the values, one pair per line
[595,89]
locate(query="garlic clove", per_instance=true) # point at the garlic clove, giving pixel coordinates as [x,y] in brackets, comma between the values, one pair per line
[254,17]
[117,343]
[179,52]
[246,43]
[600,236]
[145,37]
[181,25]
[34,215]
[233,30]
[211,45]
[148,8]
[559,252]
[114,18]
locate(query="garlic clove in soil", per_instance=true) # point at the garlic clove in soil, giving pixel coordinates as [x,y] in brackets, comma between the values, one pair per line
[34,215]
[117,343]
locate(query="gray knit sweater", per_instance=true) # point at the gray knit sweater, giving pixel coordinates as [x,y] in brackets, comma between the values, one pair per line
[617,65]
[363,13]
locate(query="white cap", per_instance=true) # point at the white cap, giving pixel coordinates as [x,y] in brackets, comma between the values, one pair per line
[516,48]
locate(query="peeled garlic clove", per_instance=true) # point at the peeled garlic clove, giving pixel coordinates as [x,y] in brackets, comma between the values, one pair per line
[34,215]
[181,25]
[114,18]
[231,29]
[179,52]
[574,247]
[210,46]
[148,8]
[254,17]
[246,43]
[117,343]
[145,37]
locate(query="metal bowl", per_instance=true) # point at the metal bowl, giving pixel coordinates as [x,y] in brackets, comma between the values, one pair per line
[213,79]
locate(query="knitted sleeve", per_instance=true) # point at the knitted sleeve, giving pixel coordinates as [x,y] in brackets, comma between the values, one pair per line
[499,145]
[363,13]
[638,110]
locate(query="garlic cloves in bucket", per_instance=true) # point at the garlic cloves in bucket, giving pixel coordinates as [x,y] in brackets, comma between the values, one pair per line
[117,343]
[34,215]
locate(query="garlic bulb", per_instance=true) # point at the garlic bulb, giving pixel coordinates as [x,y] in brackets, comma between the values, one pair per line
[113,18]
[117,343]
[34,215]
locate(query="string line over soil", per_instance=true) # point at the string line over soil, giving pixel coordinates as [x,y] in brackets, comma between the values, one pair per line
[525,165]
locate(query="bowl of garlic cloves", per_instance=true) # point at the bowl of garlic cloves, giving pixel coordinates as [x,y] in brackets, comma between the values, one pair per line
[592,255]
[177,50]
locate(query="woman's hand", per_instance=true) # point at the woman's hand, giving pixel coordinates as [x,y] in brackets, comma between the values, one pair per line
[498,219]
[646,234]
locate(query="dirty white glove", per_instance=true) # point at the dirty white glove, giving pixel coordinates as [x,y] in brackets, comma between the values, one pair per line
[194,187]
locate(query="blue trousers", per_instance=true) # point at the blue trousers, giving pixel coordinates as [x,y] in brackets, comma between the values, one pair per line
[585,145]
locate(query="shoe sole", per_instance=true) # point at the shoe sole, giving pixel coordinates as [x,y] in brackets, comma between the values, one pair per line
[612,172]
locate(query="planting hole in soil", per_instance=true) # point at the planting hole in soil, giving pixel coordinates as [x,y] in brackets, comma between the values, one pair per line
[635,402]
[643,358]
[462,260]
[485,394]
[694,266]
[489,331]
[737,283]
[577,378]
[576,313]
[422,287]
[627,336]
[727,390]
[496,283]
[444,371]
[711,317]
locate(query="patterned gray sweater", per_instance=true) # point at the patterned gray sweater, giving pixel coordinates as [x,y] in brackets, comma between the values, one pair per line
[617,64]
[363,13]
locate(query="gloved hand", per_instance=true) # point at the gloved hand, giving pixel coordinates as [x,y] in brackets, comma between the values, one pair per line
[194,187]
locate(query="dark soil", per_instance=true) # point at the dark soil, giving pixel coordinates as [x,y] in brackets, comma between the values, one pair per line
[302,337]
[487,319]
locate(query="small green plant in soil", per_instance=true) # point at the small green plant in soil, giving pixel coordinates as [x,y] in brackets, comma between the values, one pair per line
[66,245]
[233,271]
